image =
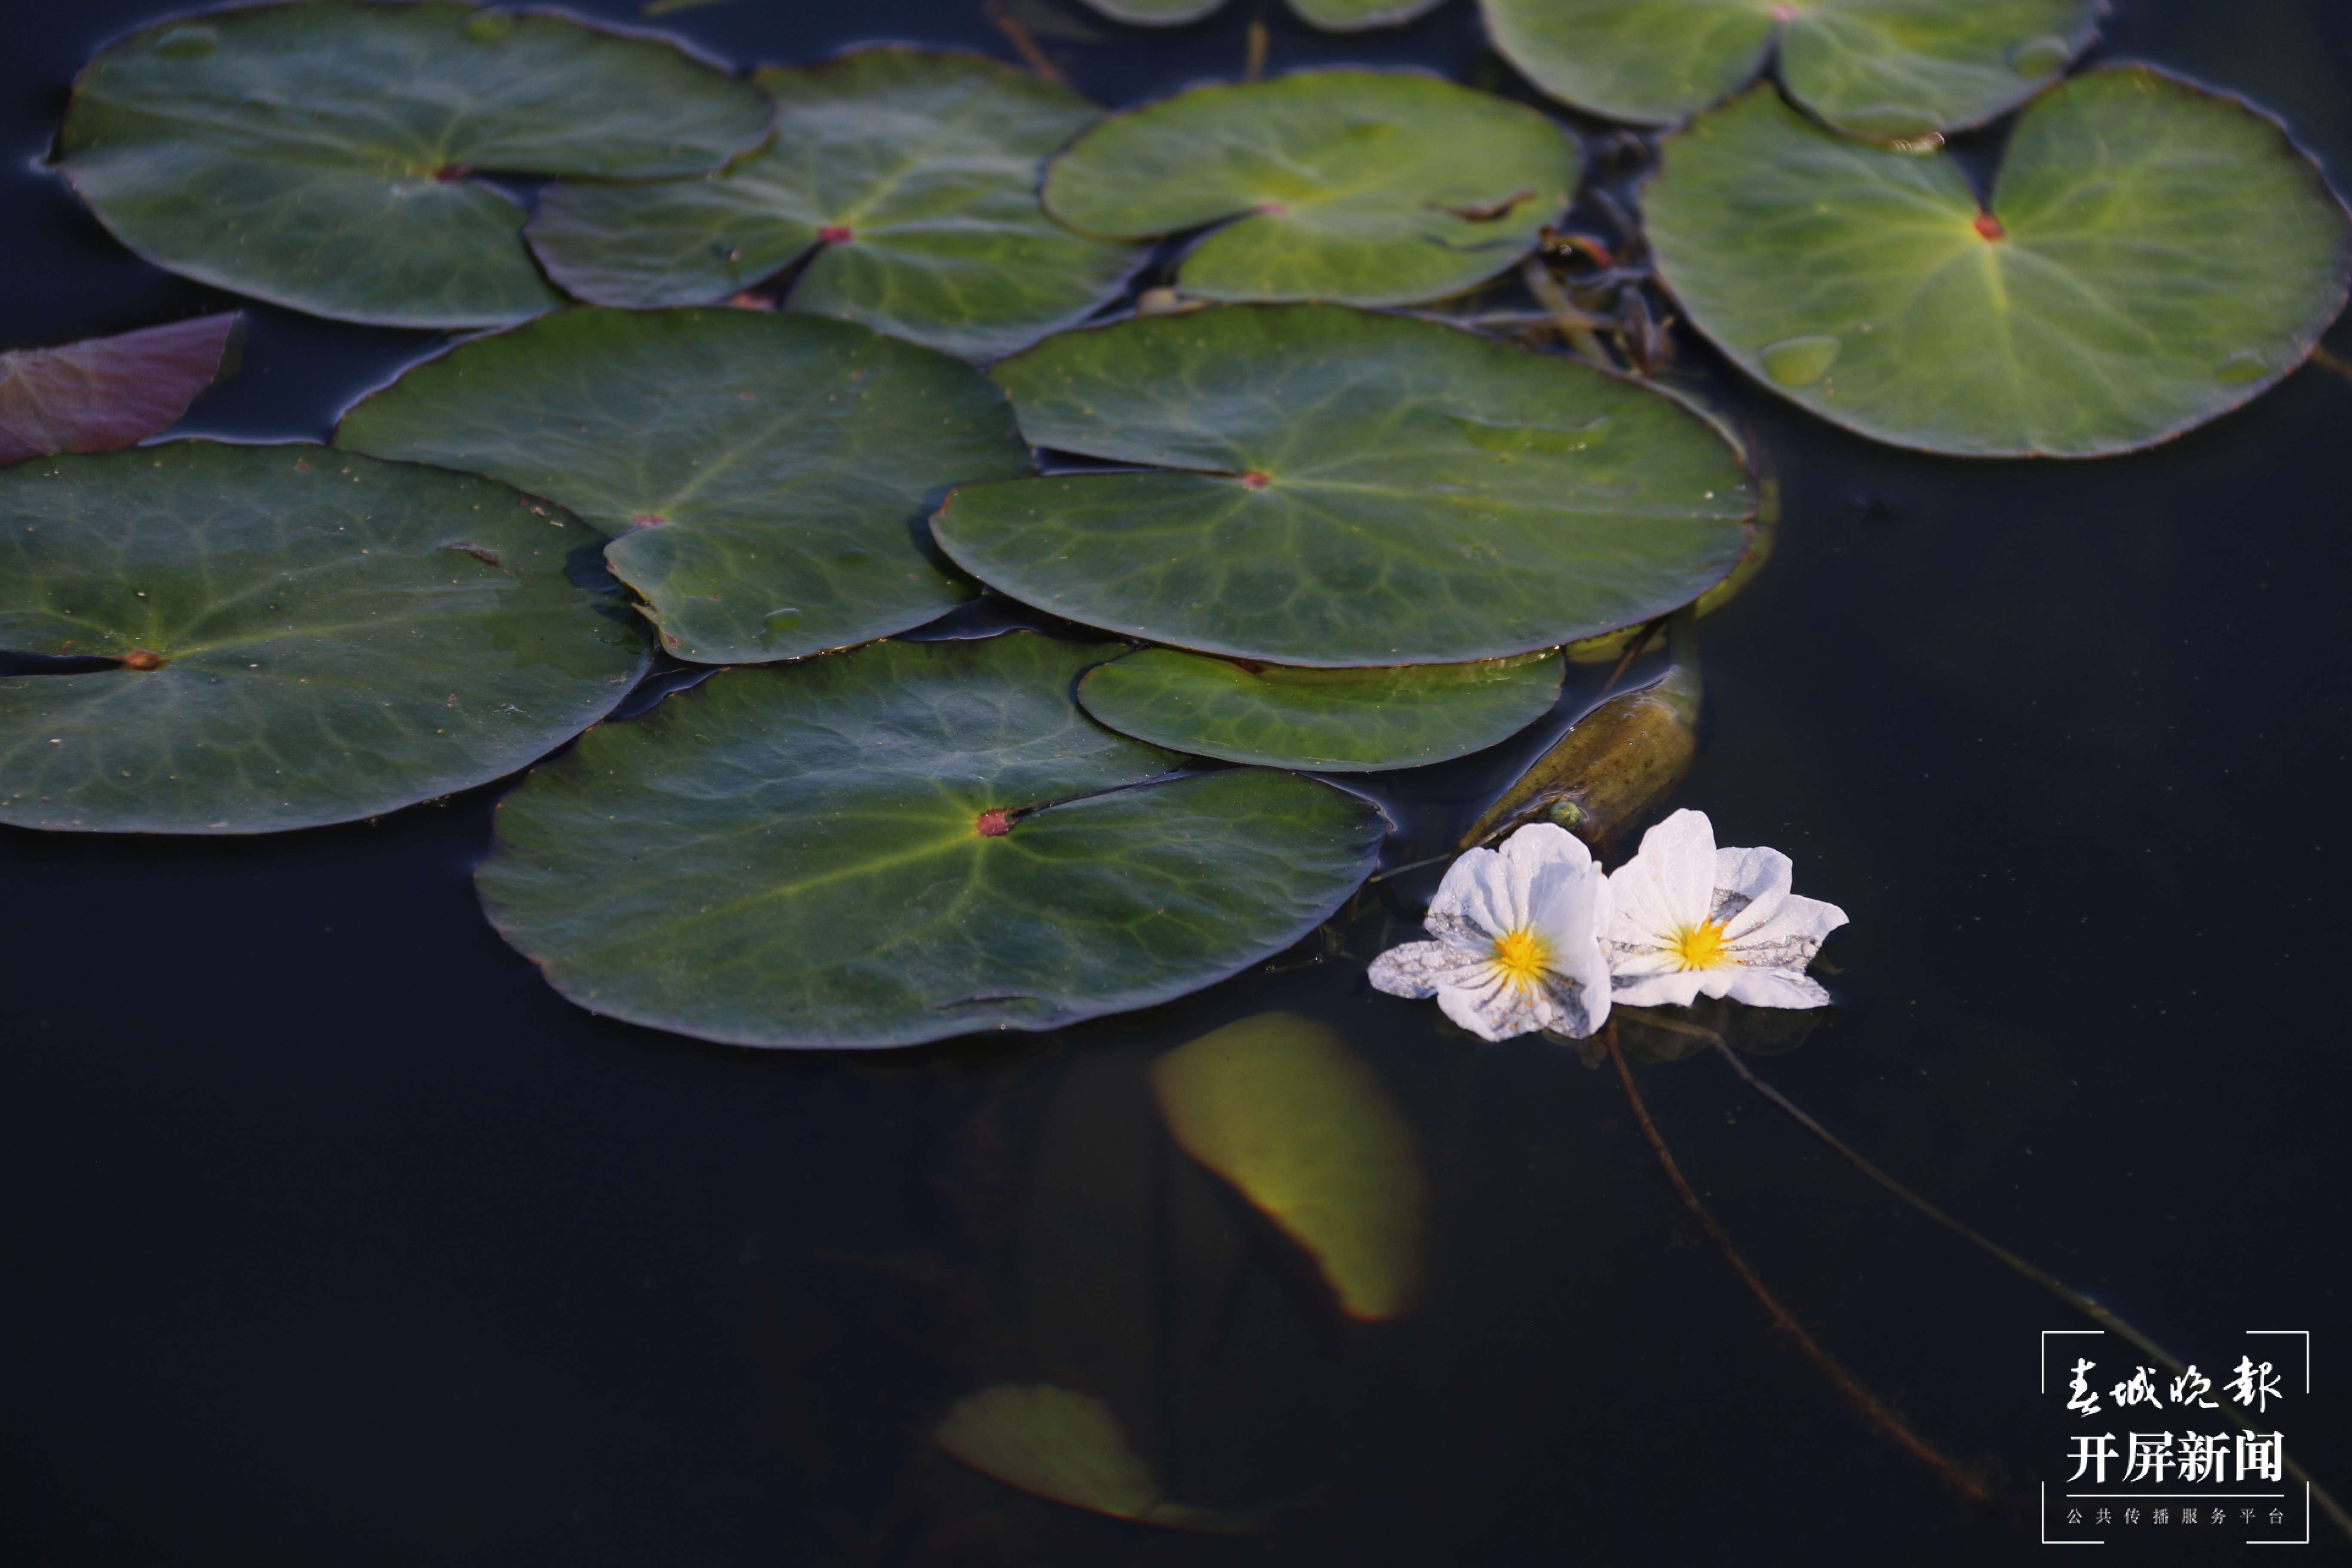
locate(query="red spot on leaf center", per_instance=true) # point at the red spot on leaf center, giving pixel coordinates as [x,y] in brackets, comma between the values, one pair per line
[993,824]
[144,658]
[450,173]
[1990,226]
[1784,15]
[1256,480]
[833,234]
[647,520]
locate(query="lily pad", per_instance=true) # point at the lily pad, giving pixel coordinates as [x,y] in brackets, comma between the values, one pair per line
[322,155]
[767,474]
[1276,1105]
[909,179]
[1889,69]
[296,635]
[1348,490]
[2153,255]
[1366,187]
[899,844]
[1337,720]
[1332,16]
[1068,1447]
[104,393]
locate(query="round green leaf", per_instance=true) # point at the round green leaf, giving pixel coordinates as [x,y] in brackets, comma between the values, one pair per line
[902,843]
[317,154]
[1367,187]
[912,175]
[768,475]
[1336,720]
[2154,256]
[1882,68]
[1362,489]
[1332,16]
[305,636]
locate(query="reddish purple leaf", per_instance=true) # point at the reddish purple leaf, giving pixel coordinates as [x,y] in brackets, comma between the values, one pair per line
[104,393]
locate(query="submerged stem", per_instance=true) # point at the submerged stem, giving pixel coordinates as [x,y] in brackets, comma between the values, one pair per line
[1868,1404]
[2056,1287]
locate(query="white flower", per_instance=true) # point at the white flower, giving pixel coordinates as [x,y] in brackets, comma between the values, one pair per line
[1519,940]
[1690,919]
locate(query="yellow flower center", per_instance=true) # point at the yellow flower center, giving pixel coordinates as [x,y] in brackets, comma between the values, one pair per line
[1522,956]
[1701,946]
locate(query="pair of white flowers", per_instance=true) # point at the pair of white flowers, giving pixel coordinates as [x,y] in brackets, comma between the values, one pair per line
[1534,936]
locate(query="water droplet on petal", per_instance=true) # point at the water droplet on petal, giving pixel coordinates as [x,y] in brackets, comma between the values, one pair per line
[2037,58]
[1799,361]
[2241,368]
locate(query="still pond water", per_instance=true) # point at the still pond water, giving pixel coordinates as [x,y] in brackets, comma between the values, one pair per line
[339,1237]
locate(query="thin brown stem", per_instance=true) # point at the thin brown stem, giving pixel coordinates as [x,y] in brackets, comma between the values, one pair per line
[1260,43]
[1632,651]
[1868,1404]
[2325,361]
[2018,1266]
[1022,44]
[1576,328]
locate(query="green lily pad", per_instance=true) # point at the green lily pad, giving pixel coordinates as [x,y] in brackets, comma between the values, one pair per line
[1069,1447]
[1336,720]
[1277,1106]
[300,635]
[104,393]
[899,844]
[1349,490]
[767,474]
[320,154]
[2154,255]
[1367,187]
[911,174]
[1888,69]
[1332,16]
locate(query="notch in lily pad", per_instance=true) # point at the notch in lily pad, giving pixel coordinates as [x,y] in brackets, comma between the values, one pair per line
[1365,187]
[1887,70]
[323,154]
[2151,255]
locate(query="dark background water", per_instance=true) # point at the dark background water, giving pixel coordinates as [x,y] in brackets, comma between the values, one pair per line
[336,1237]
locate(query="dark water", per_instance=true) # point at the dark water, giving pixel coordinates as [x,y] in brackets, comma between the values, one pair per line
[335,1237]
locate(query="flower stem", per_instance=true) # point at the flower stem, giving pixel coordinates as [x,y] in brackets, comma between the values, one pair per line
[1863,1400]
[2056,1287]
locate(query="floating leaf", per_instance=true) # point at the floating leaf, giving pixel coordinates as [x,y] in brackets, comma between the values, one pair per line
[321,155]
[1367,187]
[1068,1447]
[1362,489]
[2154,255]
[900,844]
[104,393]
[303,635]
[768,475]
[911,174]
[1276,1105]
[1332,16]
[1337,720]
[1883,69]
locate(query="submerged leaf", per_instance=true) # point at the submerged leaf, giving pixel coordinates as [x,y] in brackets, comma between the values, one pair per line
[104,393]
[1366,187]
[1885,68]
[907,178]
[321,155]
[901,843]
[1068,1447]
[2153,256]
[1342,489]
[1333,720]
[302,636]
[1276,1105]
[767,475]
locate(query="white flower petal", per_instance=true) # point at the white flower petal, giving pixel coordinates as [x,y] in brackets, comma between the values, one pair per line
[1658,990]
[1579,1005]
[1789,940]
[1482,897]
[1667,885]
[1424,968]
[1570,906]
[1500,1011]
[1772,989]
[1749,887]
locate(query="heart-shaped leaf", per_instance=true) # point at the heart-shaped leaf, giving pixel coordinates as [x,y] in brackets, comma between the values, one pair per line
[1336,720]
[1367,187]
[911,174]
[768,474]
[296,635]
[2153,256]
[899,844]
[1347,489]
[320,154]
[104,393]
[1883,69]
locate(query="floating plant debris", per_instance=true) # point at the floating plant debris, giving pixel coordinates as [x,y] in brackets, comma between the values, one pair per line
[104,393]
